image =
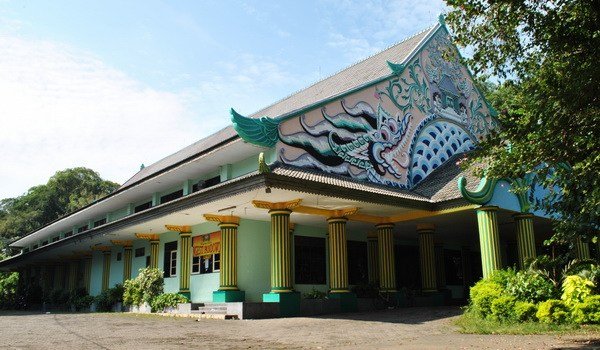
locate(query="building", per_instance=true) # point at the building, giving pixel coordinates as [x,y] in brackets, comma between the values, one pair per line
[352,180]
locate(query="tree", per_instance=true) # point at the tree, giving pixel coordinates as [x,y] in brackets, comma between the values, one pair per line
[544,54]
[66,191]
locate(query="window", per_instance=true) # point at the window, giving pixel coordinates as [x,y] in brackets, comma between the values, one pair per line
[148,261]
[100,222]
[309,260]
[173,263]
[44,242]
[170,259]
[358,272]
[140,252]
[171,196]
[54,239]
[141,207]
[68,234]
[35,246]
[82,229]
[208,263]
[206,183]
[119,256]
[196,264]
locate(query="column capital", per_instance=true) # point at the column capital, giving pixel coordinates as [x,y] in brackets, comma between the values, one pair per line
[180,229]
[223,219]
[384,225]
[148,236]
[522,216]
[289,205]
[125,244]
[342,213]
[488,208]
[425,228]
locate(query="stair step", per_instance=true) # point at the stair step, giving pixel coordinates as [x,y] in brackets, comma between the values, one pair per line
[217,317]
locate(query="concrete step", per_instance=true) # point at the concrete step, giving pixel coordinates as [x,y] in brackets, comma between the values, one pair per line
[216,317]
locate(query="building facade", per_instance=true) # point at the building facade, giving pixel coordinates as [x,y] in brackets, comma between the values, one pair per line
[349,182]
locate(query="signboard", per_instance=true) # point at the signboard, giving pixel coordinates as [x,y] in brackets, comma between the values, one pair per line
[207,244]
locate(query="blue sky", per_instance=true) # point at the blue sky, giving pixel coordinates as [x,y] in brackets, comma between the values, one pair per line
[114,84]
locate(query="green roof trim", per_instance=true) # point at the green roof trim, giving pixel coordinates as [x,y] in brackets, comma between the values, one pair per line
[261,131]
[485,191]
[396,68]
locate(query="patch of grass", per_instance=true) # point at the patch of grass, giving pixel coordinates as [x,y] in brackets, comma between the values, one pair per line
[470,323]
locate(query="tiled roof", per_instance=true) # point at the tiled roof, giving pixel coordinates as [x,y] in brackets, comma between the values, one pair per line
[442,184]
[337,180]
[365,71]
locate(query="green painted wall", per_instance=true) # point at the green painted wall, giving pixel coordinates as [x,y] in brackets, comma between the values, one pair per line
[245,166]
[140,262]
[116,267]
[96,276]
[253,257]
[118,214]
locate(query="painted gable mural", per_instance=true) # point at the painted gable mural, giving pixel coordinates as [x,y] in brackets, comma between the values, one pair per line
[396,132]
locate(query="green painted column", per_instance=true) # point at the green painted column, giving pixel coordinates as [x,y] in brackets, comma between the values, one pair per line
[373,257]
[127,262]
[73,275]
[281,254]
[105,269]
[582,249]
[525,239]
[427,257]
[338,255]
[228,273]
[387,260]
[489,240]
[185,262]
[87,273]
[154,253]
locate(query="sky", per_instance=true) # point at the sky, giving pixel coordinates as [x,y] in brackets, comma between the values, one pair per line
[111,85]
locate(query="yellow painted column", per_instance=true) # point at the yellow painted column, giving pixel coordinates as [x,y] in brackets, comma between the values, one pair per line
[154,252]
[73,265]
[185,257]
[87,272]
[525,239]
[127,262]
[582,249]
[105,269]
[373,257]
[387,260]
[281,254]
[338,255]
[228,282]
[489,240]
[427,257]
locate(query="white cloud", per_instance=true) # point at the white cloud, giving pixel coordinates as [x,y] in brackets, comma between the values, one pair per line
[62,108]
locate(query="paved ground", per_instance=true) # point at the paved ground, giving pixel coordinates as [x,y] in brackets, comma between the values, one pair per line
[414,328]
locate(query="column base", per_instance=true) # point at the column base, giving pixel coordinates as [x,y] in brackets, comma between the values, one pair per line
[185,293]
[225,296]
[348,302]
[289,303]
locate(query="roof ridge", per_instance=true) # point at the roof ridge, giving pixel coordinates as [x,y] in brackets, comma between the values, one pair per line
[343,69]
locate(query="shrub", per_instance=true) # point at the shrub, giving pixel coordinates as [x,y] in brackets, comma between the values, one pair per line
[525,311]
[315,294]
[502,277]
[531,287]
[576,289]
[553,311]
[8,289]
[502,308]
[58,297]
[587,311]
[108,298]
[483,293]
[80,299]
[144,288]
[167,300]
